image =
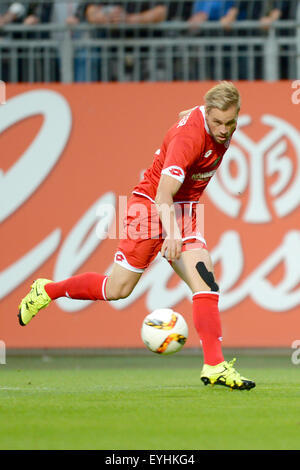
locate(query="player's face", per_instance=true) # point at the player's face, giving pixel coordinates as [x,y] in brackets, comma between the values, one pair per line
[221,124]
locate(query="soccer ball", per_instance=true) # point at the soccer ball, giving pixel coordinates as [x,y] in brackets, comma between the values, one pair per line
[164,331]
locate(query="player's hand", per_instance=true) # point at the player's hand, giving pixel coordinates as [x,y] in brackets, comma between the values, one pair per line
[265,23]
[31,20]
[72,20]
[171,249]
[133,18]
[226,23]
[117,15]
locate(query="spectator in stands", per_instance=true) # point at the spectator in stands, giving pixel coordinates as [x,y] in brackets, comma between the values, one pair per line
[266,11]
[270,16]
[37,13]
[287,10]
[220,10]
[54,12]
[11,12]
[132,13]
[180,11]
[177,12]
[61,13]
[223,12]
[278,10]
[65,12]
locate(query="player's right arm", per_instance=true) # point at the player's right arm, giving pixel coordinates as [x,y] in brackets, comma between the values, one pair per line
[182,150]
[167,188]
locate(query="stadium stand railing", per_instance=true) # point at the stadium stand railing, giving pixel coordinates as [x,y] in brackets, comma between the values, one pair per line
[169,50]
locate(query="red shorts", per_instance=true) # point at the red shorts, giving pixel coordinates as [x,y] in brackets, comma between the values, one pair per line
[143,234]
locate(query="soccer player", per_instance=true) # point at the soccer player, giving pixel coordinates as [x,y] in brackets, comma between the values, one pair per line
[191,152]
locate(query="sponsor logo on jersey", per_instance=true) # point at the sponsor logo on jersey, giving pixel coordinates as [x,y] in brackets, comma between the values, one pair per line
[208,153]
[175,172]
[203,176]
[183,121]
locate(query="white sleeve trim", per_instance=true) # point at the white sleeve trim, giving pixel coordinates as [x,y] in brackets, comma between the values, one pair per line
[206,292]
[175,172]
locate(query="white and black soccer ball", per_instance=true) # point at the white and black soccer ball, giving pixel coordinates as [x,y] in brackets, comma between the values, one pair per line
[164,331]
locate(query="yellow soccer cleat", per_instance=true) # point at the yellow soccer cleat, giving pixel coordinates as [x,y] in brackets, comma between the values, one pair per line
[34,301]
[225,374]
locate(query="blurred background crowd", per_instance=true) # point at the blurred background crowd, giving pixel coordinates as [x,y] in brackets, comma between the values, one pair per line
[160,40]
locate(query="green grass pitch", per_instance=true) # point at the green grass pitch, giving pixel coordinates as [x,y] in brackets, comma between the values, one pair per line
[145,402]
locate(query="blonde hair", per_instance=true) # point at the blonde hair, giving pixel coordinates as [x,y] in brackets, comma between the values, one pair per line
[221,96]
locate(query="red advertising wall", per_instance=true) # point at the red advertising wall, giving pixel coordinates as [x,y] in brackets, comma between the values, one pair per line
[68,149]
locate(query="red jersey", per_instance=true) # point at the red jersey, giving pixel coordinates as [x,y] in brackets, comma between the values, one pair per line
[189,154]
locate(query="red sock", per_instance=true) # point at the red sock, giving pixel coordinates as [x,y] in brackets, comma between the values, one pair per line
[207,322]
[87,286]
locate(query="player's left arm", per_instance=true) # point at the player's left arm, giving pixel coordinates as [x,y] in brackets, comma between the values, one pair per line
[167,188]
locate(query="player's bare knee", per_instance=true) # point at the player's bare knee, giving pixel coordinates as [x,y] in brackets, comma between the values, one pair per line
[118,291]
[124,291]
[207,276]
